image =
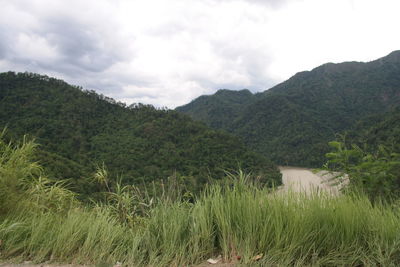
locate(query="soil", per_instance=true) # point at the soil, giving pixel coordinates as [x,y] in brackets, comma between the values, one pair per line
[306,180]
[41,265]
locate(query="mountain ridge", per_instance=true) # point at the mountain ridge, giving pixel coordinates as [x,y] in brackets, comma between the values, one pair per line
[308,109]
[79,130]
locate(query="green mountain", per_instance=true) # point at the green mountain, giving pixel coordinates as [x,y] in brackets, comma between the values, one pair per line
[292,122]
[375,130]
[78,129]
[219,109]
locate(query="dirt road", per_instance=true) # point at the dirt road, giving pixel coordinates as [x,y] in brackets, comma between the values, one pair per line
[305,180]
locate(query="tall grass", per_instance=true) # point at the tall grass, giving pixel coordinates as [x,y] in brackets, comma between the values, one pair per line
[15,169]
[287,230]
[238,220]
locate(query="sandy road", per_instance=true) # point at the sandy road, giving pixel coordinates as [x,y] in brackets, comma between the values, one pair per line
[305,180]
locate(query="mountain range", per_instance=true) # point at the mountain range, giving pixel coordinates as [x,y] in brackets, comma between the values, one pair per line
[79,130]
[292,122]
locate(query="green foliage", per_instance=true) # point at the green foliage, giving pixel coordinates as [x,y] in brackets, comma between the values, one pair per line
[220,109]
[378,129]
[50,195]
[128,203]
[377,173]
[15,169]
[77,130]
[292,122]
[23,186]
[238,218]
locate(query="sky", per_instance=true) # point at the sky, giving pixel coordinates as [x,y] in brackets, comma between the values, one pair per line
[168,52]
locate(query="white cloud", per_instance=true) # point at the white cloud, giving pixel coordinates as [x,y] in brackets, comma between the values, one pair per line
[332,31]
[36,48]
[168,52]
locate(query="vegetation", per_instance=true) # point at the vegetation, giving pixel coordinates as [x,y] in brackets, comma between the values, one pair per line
[376,174]
[292,122]
[108,183]
[369,155]
[79,130]
[376,130]
[240,220]
[220,109]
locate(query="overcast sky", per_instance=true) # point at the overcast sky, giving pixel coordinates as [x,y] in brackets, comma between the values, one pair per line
[167,52]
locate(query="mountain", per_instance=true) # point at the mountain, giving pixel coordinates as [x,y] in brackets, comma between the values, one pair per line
[77,130]
[292,122]
[225,102]
[375,130]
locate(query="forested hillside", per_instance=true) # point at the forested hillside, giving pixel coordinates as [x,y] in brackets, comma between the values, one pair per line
[293,121]
[78,130]
[376,130]
[220,109]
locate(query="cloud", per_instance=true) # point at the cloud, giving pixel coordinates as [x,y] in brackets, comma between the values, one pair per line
[168,52]
[269,3]
[2,50]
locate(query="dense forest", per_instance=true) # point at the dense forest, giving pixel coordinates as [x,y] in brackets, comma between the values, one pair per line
[293,122]
[80,192]
[242,221]
[375,130]
[369,153]
[79,131]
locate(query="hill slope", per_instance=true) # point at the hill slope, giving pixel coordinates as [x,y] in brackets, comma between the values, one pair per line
[78,129]
[375,130]
[293,121]
[220,109]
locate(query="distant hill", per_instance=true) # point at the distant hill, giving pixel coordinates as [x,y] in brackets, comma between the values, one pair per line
[293,121]
[220,109]
[78,129]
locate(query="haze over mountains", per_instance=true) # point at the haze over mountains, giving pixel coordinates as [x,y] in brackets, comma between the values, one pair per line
[292,122]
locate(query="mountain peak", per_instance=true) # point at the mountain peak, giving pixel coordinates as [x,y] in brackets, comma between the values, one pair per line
[298,117]
[233,92]
[392,57]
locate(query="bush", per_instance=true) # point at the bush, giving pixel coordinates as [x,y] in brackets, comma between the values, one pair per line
[377,174]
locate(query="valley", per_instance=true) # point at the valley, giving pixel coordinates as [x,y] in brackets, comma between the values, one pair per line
[88,180]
